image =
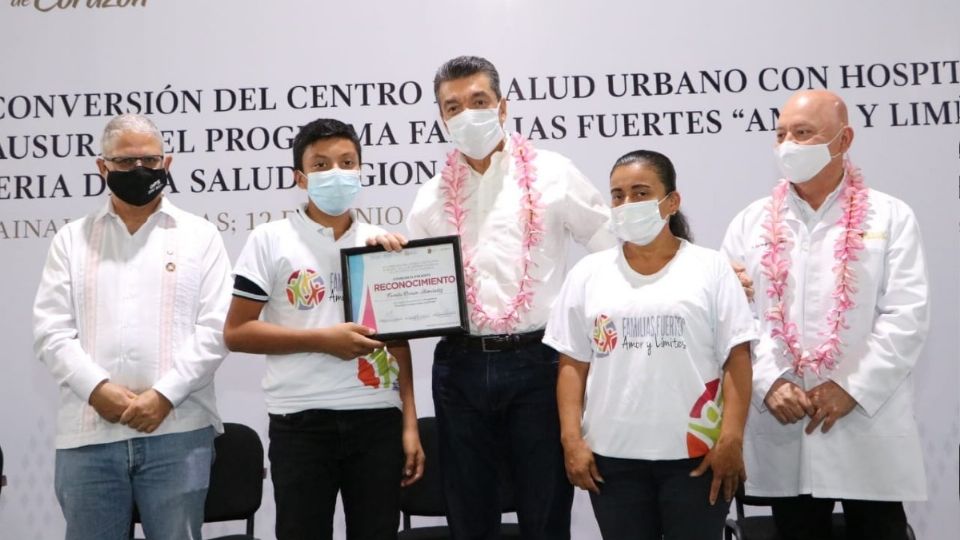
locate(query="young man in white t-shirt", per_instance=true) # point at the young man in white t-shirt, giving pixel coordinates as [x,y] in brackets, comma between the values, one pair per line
[342,413]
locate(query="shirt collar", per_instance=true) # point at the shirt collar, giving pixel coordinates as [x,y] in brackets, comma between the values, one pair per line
[806,212]
[302,220]
[165,207]
[499,161]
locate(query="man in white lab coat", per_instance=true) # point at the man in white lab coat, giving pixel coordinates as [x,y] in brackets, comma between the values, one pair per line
[842,302]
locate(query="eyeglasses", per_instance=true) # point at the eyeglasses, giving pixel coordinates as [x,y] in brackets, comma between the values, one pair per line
[127,163]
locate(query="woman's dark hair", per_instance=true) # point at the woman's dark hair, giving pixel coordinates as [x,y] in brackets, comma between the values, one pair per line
[668,177]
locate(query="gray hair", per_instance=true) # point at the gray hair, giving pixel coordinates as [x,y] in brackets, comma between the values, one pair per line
[127,123]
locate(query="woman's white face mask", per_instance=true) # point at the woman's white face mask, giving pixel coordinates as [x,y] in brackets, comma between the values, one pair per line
[638,222]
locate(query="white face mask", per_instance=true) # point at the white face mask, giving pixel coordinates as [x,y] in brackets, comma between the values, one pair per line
[801,162]
[334,190]
[476,132]
[638,223]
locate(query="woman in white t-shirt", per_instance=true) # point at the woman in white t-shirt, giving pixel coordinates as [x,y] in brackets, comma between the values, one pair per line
[654,349]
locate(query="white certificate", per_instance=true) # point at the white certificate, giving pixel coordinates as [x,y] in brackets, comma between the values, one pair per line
[416,292]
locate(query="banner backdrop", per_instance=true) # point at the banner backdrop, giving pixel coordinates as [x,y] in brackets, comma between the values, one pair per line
[230,82]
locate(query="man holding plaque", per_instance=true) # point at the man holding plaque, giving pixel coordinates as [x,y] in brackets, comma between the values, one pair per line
[494,390]
[342,413]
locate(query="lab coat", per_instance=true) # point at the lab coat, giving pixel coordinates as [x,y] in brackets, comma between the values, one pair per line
[874,452]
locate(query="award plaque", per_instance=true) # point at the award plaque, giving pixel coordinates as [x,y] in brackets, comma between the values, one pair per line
[412,293]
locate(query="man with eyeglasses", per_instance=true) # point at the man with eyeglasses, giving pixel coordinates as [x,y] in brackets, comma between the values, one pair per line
[129,319]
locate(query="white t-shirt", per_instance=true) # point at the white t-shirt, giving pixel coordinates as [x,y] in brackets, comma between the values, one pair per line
[656,345]
[296,261]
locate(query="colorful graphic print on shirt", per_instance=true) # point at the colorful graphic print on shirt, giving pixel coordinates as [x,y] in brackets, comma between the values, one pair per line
[704,427]
[379,370]
[604,335]
[305,289]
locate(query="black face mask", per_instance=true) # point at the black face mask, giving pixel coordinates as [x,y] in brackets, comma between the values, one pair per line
[137,186]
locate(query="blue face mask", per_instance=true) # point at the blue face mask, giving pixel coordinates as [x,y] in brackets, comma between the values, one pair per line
[333,191]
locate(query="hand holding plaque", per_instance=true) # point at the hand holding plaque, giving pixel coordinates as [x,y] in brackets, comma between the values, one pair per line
[415,292]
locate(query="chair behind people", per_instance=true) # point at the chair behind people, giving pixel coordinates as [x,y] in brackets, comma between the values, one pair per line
[745,527]
[425,497]
[236,480]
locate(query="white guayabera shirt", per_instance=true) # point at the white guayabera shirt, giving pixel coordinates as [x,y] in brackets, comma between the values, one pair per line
[143,310]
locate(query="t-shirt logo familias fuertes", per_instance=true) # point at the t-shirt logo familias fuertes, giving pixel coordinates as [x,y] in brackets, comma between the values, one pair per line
[305,289]
[647,334]
[654,331]
[604,335]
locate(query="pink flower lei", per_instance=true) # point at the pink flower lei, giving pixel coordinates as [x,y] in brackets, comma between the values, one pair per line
[776,266]
[454,176]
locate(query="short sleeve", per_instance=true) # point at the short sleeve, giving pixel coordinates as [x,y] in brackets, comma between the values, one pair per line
[734,319]
[256,262]
[567,330]
[245,288]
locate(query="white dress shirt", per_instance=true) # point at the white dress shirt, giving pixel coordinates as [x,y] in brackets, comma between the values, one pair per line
[144,310]
[572,206]
[874,452]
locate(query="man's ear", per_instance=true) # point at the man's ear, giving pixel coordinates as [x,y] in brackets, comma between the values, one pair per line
[301,179]
[846,139]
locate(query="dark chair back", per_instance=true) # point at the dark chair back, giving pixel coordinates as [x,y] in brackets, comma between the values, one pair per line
[425,497]
[3,479]
[236,479]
